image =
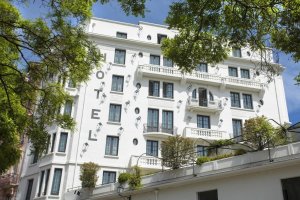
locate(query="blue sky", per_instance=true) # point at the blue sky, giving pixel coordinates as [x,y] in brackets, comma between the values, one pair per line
[157,12]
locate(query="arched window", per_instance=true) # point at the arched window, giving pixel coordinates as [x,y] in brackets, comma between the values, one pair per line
[211,96]
[194,94]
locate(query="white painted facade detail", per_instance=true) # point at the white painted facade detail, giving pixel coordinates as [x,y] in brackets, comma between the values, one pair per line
[130,130]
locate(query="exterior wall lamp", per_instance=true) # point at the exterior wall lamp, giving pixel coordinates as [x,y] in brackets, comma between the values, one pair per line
[102,84]
[179,103]
[121,130]
[99,126]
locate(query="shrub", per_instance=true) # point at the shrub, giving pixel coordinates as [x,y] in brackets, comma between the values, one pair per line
[202,160]
[177,151]
[123,178]
[88,174]
[205,159]
[135,178]
[238,152]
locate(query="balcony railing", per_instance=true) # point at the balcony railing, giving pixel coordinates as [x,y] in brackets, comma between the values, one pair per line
[9,180]
[204,105]
[199,77]
[203,133]
[146,162]
[160,128]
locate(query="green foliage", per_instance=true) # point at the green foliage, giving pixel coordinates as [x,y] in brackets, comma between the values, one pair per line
[88,174]
[258,131]
[221,143]
[177,151]
[124,177]
[238,152]
[134,180]
[205,159]
[209,29]
[32,51]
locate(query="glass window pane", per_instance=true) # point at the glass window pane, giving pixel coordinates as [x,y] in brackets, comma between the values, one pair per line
[167,122]
[247,100]
[237,127]
[245,73]
[108,177]
[235,99]
[29,189]
[68,108]
[154,88]
[56,181]
[152,148]
[115,113]
[202,67]
[121,35]
[232,71]
[203,121]
[154,60]
[168,90]
[120,56]
[167,62]
[112,145]
[236,52]
[63,142]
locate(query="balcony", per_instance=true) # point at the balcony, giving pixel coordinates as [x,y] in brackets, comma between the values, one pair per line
[161,130]
[9,180]
[173,73]
[207,134]
[157,71]
[147,163]
[195,105]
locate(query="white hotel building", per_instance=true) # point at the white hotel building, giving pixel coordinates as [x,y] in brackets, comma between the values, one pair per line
[137,99]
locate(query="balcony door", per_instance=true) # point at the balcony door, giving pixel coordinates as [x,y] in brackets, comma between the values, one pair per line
[202,97]
[152,121]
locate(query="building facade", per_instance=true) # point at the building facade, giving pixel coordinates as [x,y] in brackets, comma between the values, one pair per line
[137,98]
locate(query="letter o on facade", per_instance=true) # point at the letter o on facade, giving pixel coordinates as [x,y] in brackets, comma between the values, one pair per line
[100,74]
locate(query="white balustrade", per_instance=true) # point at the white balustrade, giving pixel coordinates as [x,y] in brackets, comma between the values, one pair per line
[203,133]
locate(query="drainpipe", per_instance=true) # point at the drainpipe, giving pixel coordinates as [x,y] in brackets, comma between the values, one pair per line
[278,110]
[79,136]
[156,194]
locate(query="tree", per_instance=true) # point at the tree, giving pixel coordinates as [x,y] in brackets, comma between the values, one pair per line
[209,29]
[177,151]
[88,175]
[258,132]
[37,57]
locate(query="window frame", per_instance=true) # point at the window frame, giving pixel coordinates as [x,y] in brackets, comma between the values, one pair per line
[234,100]
[151,126]
[55,191]
[109,173]
[168,62]
[236,52]
[166,93]
[247,101]
[113,116]
[230,69]
[62,146]
[240,132]
[155,58]
[68,107]
[167,127]
[201,118]
[115,81]
[161,37]
[121,35]
[41,183]
[109,146]
[202,152]
[29,189]
[152,149]
[242,71]
[152,90]
[199,67]
[213,197]
[117,59]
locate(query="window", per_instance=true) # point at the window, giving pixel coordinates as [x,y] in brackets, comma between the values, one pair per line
[160,38]
[290,188]
[208,195]
[237,127]
[121,35]
[202,67]
[114,113]
[201,150]
[35,157]
[120,56]
[167,121]
[29,189]
[194,94]
[71,84]
[62,142]
[112,145]
[53,141]
[236,52]
[48,143]
[154,88]
[167,62]
[203,121]
[117,83]
[41,183]
[152,120]
[211,96]
[235,99]
[154,60]
[68,108]
[245,73]
[247,100]
[168,90]
[108,177]
[46,182]
[152,148]
[232,71]
[56,181]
